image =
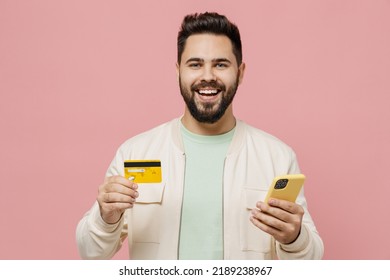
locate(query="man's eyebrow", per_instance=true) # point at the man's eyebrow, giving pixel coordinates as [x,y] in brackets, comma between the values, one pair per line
[194,59]
[215,60]
[221,60]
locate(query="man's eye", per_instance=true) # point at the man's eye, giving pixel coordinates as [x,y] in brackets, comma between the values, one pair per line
[221,65]
[194,65]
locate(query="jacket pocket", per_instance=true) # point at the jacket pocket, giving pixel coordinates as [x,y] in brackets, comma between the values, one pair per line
[150,193]
[147,213]
[251,237]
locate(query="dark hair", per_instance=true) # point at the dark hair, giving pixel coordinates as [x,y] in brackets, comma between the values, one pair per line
[209,23]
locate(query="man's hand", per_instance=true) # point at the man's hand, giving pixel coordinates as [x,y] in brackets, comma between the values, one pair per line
[116,195]
[280,218]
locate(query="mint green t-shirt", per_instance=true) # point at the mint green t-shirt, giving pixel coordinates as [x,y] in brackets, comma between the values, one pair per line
[201,230]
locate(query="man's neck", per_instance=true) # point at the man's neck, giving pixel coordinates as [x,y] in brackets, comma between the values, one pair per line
[223,125]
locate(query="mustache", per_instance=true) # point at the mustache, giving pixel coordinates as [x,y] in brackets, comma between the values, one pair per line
[204,84]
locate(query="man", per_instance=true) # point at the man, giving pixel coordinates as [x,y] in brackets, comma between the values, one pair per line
[216,171]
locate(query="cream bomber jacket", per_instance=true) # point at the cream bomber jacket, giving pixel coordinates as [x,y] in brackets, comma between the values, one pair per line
[254,158]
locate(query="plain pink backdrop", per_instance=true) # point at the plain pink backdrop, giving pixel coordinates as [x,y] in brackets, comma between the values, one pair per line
[77,78]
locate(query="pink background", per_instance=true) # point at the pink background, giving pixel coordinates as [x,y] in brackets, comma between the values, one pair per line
[77,78]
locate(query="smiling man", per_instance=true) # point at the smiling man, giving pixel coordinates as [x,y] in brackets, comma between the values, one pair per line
[215,169]
[209,75]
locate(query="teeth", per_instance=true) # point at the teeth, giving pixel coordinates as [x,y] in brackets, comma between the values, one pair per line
[208,91]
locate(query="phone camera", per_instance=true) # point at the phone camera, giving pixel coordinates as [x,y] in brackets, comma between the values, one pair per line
[281,184]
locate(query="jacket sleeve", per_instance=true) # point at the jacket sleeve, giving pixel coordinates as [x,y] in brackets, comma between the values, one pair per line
[95,238]
[309,244]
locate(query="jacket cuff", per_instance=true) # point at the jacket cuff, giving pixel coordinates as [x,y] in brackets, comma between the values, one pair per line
[299,244]
[97,221]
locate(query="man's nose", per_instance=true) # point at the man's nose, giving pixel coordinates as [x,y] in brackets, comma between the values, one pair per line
[208,73]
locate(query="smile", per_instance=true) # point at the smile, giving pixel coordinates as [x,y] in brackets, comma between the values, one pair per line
[208,92]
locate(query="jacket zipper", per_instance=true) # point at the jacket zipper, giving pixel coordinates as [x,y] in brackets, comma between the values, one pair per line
[223,208]
[182,198]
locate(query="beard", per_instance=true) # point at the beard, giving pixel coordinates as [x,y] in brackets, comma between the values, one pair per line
[208,112]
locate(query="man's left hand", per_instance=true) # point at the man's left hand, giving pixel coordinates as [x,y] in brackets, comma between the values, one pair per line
[280,218]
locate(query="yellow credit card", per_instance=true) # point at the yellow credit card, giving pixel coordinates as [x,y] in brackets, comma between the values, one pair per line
[143,171]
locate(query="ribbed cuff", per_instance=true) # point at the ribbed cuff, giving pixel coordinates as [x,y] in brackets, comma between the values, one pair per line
[299,244]
[97,221]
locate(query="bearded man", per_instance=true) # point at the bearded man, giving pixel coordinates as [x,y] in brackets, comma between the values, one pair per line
[215,172]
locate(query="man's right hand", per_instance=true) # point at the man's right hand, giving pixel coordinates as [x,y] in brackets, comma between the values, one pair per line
[116,195]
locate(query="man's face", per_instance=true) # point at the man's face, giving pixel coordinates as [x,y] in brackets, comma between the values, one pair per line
[208,76]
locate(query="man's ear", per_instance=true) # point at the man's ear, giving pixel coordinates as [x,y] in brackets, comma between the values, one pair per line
[177,71]
[241,71]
